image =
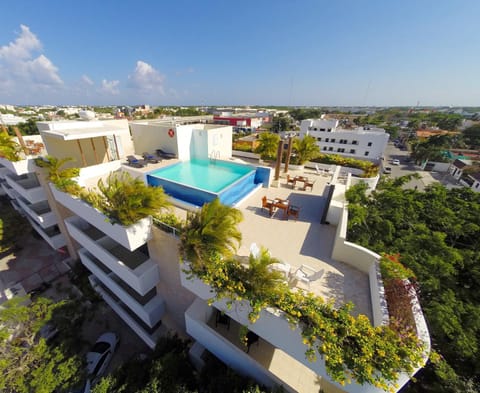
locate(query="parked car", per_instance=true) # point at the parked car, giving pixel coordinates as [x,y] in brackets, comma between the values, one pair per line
[387,170]
[395,162]
[100,355]
[98,359]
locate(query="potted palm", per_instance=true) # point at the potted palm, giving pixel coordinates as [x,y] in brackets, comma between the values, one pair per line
[304,150]
[268,145]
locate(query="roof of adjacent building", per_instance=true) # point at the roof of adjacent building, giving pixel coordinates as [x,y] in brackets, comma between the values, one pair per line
[459,164]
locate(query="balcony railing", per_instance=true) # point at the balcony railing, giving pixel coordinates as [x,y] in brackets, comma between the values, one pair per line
[40,212]
[28,187]
[134,268]
[149,308]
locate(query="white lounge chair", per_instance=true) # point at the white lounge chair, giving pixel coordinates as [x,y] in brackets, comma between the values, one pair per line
[307,274]
[318,170]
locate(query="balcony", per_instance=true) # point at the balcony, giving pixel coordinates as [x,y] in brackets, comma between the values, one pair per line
[51,235]
[264,362]
[21,167]
[150,337]
[130,237]
[133,267]
[12,194]
[40,212]
[27,186]
[149,308]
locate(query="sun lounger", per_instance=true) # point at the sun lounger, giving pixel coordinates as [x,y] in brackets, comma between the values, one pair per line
[134,162]
[150,158]
[164,154]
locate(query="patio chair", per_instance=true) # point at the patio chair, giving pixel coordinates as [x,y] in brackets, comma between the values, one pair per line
[308,183]
[150,158]
[164,154]
[134,162]
[318,171]
[268,205]
[307,274]
[290,181]
[293,211]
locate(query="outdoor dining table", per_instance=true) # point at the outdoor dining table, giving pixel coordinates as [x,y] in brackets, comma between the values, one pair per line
[281,204]
[302,179]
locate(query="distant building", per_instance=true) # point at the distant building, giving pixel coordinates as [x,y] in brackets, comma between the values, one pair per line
[10,120]
[362,142]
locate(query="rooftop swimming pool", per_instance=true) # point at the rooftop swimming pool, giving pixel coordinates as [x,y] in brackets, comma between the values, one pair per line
[200,181]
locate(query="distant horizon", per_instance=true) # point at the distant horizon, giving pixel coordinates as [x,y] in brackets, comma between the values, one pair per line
[246,106]
[313,53]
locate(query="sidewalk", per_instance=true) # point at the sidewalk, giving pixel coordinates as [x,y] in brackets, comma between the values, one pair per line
[33,264]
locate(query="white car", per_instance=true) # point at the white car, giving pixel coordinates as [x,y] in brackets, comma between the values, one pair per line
[387,170]
[100,355]
[395,162]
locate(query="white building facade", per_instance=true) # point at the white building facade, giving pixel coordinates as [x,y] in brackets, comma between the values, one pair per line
[367,143]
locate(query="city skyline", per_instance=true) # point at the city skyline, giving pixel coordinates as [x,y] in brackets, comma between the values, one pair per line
[267,53]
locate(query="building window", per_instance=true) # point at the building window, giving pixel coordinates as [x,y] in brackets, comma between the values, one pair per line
[340,150]
[329,130]
[354,142]
[314,128]
[476,185]
[330,149]
[367,153]
[352,151]
[322,129]
[319,139]
[324,147]
[369,144]
[332,140]
[326,139]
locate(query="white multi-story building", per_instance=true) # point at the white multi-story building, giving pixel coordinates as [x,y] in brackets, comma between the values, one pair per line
[136,268]
[366,143]
[11,120]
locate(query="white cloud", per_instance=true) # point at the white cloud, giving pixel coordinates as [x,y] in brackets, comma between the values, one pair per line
[110,87]
[24,67]
[87,80]
[146,78]
[22,47]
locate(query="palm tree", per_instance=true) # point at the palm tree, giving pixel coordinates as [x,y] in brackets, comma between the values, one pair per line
[126,200]
[305,149]
[268,145]
[261,280]
[211,233]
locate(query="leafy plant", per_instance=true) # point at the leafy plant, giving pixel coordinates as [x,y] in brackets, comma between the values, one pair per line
[9,149]
[61,178]
[210,232]
[305,149]
[268,145]
[126,200]
[369,168]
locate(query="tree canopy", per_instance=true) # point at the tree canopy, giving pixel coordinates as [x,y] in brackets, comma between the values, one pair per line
[28,363]
[436,234]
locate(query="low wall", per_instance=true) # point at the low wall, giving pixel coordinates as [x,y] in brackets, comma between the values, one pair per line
[365,260]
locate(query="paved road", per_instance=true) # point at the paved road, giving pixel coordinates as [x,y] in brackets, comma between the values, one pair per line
[406,168]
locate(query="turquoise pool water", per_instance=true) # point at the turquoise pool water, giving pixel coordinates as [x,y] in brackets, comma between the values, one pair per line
[201,181]
[203,174]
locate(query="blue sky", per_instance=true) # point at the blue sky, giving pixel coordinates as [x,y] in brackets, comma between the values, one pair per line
[342,52]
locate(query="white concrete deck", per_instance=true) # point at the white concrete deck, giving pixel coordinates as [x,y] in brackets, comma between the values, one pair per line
[305,241]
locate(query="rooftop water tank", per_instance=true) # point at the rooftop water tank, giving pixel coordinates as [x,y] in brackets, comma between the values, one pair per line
[86,115]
